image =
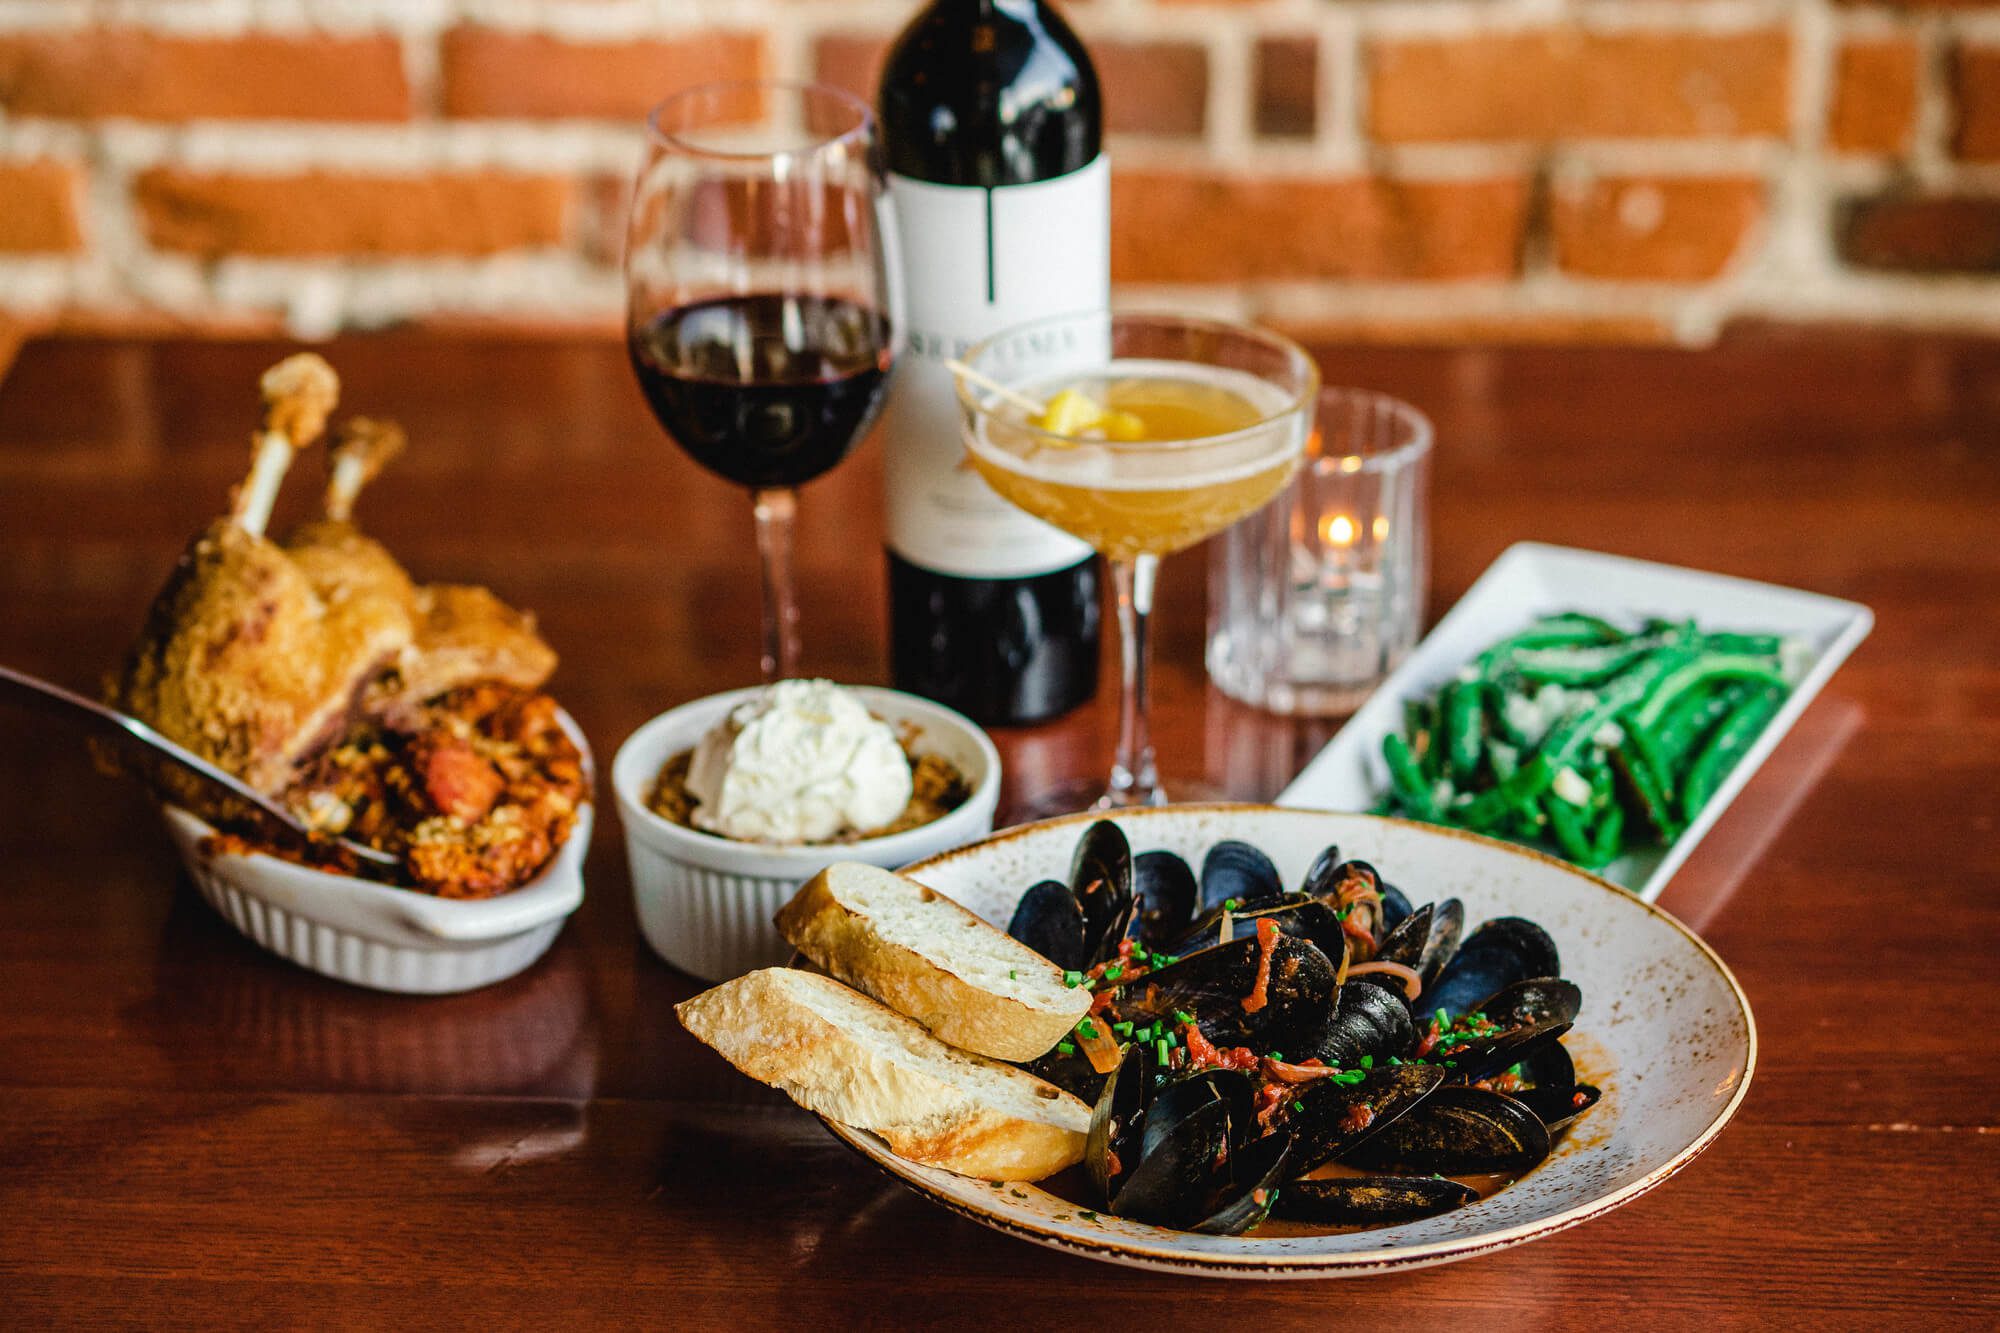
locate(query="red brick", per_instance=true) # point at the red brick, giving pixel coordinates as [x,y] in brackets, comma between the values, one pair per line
[1173,227]
[40,212]
[152,76]
[1652,229]
[491,72]
[1505,328]
[1874,95]
[329,213]
[1286,94]
[1914,234]
[1975,79]
[1568,83]
[1149,87]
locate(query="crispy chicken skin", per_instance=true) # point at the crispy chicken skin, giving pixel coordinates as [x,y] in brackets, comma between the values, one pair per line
[241,659]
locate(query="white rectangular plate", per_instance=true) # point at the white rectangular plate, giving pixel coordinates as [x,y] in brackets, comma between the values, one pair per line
[1531,580]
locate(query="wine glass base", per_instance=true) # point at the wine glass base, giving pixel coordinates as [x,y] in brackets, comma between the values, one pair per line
[1081,795]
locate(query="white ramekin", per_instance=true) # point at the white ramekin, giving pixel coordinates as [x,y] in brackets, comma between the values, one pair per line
[379,936]
[705,903]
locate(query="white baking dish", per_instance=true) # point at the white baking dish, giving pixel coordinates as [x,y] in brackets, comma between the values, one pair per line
[705,903]
[379,936]
[1530,580]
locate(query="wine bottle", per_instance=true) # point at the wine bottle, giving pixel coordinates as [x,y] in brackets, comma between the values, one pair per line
[991,124]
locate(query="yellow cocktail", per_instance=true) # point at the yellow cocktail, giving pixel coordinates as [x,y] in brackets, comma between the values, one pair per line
[1191,453]
[1142,435]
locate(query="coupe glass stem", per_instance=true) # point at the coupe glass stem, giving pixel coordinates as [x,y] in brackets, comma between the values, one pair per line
[1134,778]
[774,508]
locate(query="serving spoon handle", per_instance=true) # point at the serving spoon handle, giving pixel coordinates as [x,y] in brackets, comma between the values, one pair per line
[134,736]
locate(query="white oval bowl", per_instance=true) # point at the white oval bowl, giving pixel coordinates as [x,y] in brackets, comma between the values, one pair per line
[705,903]
[380,936]
[1665,1031]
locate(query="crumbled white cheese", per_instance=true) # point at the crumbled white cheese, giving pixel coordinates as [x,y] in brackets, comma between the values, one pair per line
[1571,786]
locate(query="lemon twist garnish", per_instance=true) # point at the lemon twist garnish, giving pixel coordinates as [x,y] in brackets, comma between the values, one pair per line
[1077,416]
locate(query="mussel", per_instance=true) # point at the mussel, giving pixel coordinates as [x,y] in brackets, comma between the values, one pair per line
[1293,913]
[1547,1086]
[1365,1021]
[1049,920]
[1220,987]
[1371,1200]
[1458,1131]
[1237,872]
[1525,1017]
[1501,952]
[1187,1153]
[1327,1118]
[1166,894]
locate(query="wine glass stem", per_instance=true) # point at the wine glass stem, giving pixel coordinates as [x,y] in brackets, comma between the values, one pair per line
[1134,778]
[774,508]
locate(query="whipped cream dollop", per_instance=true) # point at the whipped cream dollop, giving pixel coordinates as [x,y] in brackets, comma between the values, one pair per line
[805,761]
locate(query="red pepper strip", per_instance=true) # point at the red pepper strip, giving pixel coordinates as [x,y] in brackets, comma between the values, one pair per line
[1267,938]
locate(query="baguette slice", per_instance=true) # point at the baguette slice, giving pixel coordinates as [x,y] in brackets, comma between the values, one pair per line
[837,1052]
[923,955]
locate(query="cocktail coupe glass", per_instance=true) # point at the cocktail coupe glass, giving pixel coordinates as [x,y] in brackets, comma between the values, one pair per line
[1227,410]
[758,274]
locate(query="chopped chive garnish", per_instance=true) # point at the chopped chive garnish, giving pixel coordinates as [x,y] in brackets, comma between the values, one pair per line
[1066,1047]
[1160,1049]
[1075,979]
[1231,904]
[1122,1029]
[1367,1062]
[1013,974]
[1113,972]
[1278,1055]
[1087,1029]
[1086,1214]
[1298,1106]
[1183,1016]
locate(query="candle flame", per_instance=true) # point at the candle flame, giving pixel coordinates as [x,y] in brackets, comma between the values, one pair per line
[1338,530]
[1380,527]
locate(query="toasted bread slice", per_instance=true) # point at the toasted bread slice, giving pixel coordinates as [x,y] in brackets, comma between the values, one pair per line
[835,1051]
[923,955]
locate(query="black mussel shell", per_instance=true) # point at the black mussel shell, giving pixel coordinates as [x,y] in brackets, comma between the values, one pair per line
[1164,889]
[1100,875]
[1073,1073]
[1395,906]
[1366,1020]
[1213,984]
[1456,1131]
[1255,1171]
[1172,1184]
[1173,1102]
[1049,920]
[1111,1151]
[1532,1014]
[1372,1200]
[1553,1093]
[1295,914]
[1327,1119]
[1322,877]
[1501,952]
[1238,870]
[1425,941]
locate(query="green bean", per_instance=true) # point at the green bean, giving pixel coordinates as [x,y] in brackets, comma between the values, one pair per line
[1690,719]
[1563,742]
[1641,745]
[1420,717]
[1754,645]
[1503,759]
[1566,822]
[1465,728]
[1407,779]
[1648,798]
[1731,740]
[1516,793]
[1704,670]
[1605,842]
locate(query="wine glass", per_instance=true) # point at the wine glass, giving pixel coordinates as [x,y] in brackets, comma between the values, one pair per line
[1212,421]
[758,265]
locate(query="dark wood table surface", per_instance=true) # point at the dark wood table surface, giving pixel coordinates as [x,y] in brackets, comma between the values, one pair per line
[194,1132]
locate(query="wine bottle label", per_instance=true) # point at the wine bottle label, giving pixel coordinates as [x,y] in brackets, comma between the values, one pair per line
[976,261]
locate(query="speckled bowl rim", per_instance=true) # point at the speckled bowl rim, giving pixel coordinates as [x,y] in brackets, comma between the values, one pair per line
[1166,1257]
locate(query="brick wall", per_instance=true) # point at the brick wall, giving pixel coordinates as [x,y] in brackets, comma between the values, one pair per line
[1420,169]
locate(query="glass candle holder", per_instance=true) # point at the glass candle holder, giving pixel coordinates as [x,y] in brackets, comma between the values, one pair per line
[1317,597]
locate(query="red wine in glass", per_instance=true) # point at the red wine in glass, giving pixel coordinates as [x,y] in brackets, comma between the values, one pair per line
[769,389]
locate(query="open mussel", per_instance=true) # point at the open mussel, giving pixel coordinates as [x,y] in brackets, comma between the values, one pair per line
[1100,875]
[1293,913]
[1187,1154]
[1520,1020]
[1239,995]
[1166,895]
[1458,1131]
[1546,1084]
[1371,1201]
[1049,920]
[1239,873]
[1501,952]
[1423,942]
[1328,1117]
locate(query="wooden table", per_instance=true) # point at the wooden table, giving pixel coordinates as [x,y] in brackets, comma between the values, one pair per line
[192,1131]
